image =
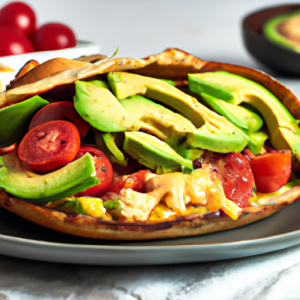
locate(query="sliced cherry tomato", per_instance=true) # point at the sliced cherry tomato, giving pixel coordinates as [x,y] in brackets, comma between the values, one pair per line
[13,41]
[134,181]
[103,168]
[54,36]
[50,146]
[271,170]
[234,171]
[19,15]
[8,149]
[59,111]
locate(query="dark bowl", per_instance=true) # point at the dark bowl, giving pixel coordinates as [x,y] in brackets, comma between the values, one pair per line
[276,57]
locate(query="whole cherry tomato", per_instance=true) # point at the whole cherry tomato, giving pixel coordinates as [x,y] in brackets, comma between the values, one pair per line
[59,111]
[54,36]
[271,170]
[19,15]
[13,41]
[50,146]
[103,168]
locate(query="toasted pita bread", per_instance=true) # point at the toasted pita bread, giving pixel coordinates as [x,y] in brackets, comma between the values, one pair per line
[89,227]
[171,64]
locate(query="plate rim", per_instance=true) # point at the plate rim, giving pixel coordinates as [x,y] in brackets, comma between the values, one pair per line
[78,245]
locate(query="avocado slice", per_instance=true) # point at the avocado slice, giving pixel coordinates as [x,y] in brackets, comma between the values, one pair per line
[238,115]
[82,186]
[99,107]
[109,139]
[102,146]
[157,119]
[214,132]
[283,128]
[257,141]
[152,152]
[18,181]
[100,83]
[284,30]
[14,118]
[190,154]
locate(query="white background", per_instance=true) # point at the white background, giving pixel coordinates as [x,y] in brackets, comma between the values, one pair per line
[208,29]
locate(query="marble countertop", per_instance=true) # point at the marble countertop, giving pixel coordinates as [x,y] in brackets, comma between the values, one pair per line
[270,276]
[212,31]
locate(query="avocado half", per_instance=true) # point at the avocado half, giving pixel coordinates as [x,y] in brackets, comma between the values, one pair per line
[284,30]
[172,64]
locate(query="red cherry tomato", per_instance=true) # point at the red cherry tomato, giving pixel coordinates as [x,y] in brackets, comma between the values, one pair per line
[271,170]
[54,36]
[50,146]
[234,171]
[19,15]
[134,181]
[103,168]
[13,41]
[59,111]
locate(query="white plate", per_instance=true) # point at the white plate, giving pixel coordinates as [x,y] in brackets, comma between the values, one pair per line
[21,238]
[17,61]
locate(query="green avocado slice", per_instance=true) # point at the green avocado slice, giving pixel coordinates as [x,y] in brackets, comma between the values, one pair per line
[238,115]
[212,128]
[283,30]
[283,128]
[99,107]
[157,119]
[109,139]
[14,118]
[16,180]
[257,141]
[100,83]
[152,152]
[82,186]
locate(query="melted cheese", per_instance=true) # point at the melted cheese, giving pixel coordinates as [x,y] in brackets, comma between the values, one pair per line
[92,206]
[199,188]
[137,206]
[166,197]
[162,212]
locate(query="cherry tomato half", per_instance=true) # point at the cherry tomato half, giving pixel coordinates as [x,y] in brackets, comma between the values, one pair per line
[234,171]
[103,168]
[59,111]
[19,15]
[54,36]
[135,181]
[50,146]
[13,41]
[271,170]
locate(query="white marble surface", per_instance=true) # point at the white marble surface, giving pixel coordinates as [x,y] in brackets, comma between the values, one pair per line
[273,276]
[210,30]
